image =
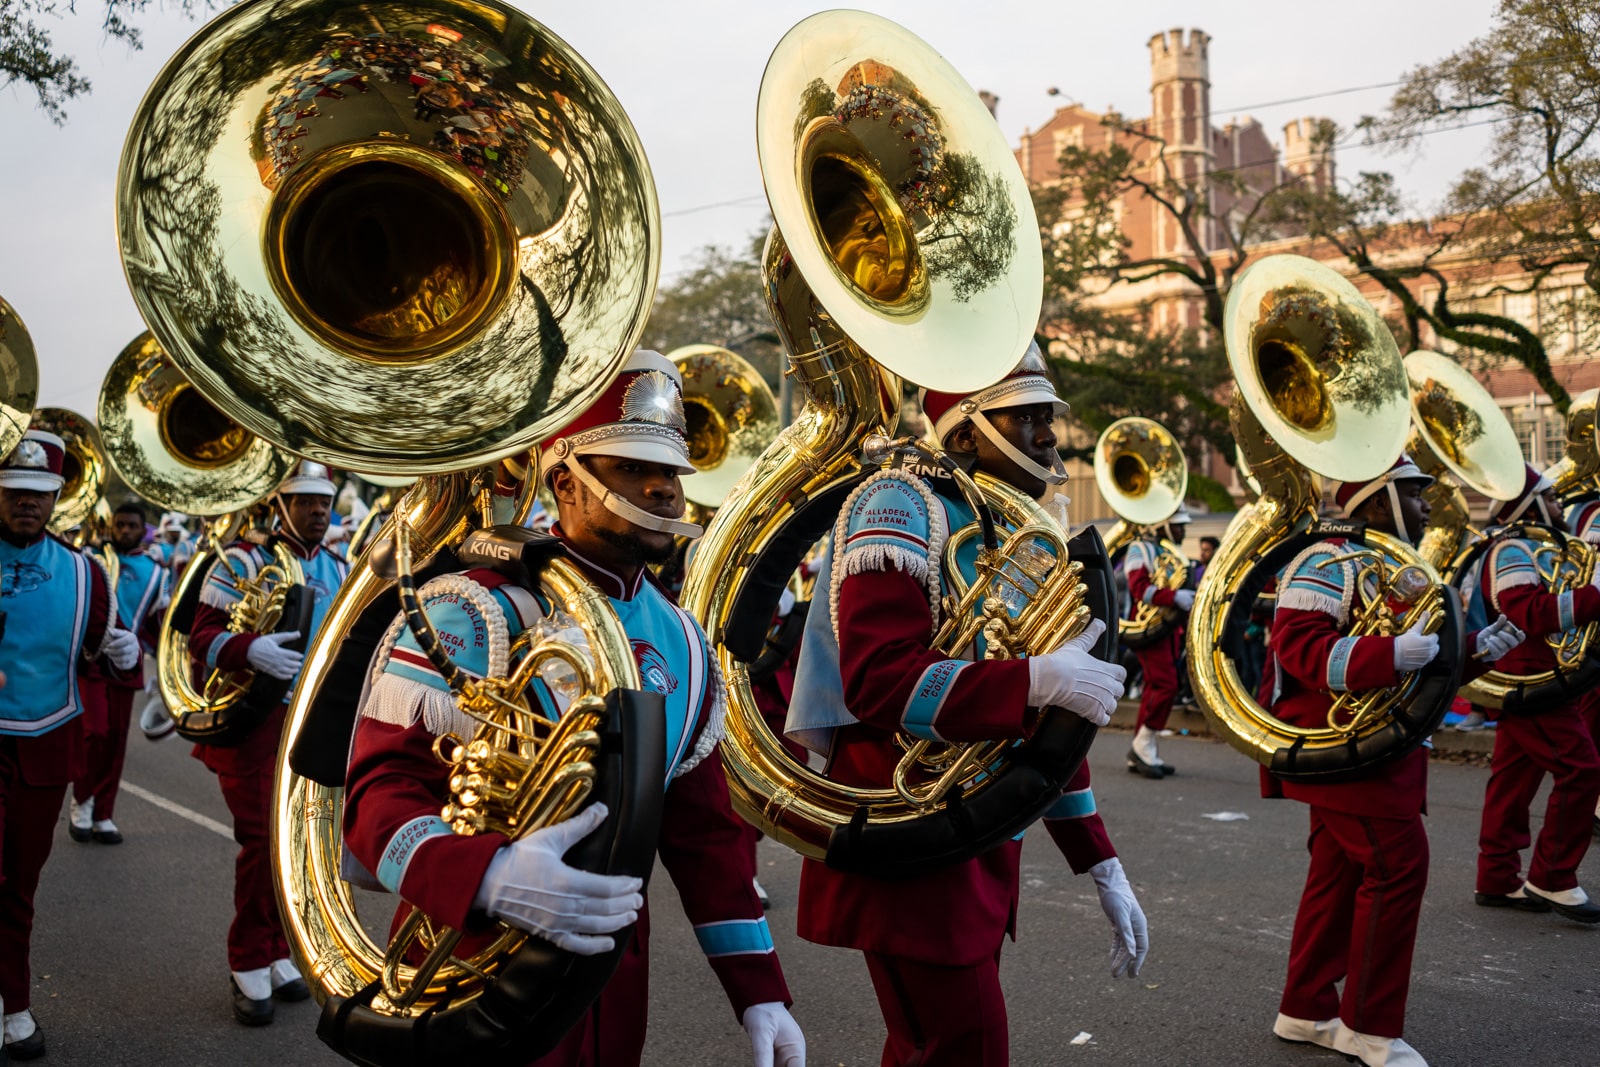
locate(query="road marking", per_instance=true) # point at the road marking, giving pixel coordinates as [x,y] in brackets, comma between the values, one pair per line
[177,809]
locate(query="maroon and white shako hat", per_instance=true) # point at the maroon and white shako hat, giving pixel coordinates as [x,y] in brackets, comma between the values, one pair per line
[308,477]
[639,416]
[1029,383]
[1351,495]
[35,464]
[1534,483]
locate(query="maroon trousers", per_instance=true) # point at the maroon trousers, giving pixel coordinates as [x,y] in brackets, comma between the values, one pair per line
[1357,921]
[941,1016]
[28,815]
[1526,748]
[612,1033]
[1159,662]
[107,744]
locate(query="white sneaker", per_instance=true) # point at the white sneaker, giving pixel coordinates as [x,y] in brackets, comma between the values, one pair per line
[1377,1051]
[1306,1032]
[80,822]
[20,1026]
[256,984]
[1144,745]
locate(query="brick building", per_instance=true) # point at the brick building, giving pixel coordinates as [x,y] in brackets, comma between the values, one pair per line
[1179,139]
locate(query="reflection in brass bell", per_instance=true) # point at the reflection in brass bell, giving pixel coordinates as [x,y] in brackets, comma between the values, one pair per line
[900,201]
[403,238]
[1458,425]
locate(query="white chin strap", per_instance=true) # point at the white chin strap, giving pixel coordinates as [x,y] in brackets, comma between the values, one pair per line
[625,509]
[1533,498]
[1056,474]
[1394,509]
[288,523]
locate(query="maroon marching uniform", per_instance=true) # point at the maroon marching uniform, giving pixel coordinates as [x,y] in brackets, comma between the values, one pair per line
[108,696]
[244,773]
[60,617]
[1158,662]
[1557,740]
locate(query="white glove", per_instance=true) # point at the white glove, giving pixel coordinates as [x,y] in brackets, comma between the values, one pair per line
[530,886]
[785,603]
[121,648]
[268,656]
[775,1037]
[1071,678]
[1496,639]
[1130,938]
[1414,650]
[1184,598]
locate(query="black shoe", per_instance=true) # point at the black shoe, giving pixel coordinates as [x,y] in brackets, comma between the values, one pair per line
[79,834]
[1139,766]
[108,837]
[1587,912]
[1506,900]
[250,1012]
[292,992]
[1167,769]
[30,1047]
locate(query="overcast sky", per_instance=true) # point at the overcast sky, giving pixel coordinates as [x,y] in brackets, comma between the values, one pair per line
[687,72]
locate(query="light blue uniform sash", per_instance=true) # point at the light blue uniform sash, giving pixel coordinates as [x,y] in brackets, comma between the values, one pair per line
[139,579]
[44,590]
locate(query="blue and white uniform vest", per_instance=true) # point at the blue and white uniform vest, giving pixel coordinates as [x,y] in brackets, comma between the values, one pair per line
[892,519]
[476,626]
[45,590]
[1510,563]
[139,585]
[1141,555]
[324,573]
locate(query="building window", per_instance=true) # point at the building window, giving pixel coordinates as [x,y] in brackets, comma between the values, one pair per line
[1072,137]
[1525,421]
[1555,321]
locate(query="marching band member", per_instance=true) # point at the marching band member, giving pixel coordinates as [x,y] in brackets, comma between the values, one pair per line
[108,695]
[60,612]
[1357,919]
[258,953]
[173,545]
[615,473]
[932,944]
[1158,662]
[1529,745]
[1583,519]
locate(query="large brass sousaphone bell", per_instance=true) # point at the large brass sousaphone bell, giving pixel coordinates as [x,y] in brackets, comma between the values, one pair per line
[732,417]
[1460,437]
[906,246]
[172,446]
[1320,390]
[83,472]
[410,239]
[1141,471]
[19,378]
[1577,474]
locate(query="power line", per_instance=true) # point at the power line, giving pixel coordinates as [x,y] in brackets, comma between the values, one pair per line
[708,207]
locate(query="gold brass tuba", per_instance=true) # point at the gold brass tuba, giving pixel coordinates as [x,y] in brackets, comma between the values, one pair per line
[83,472]
[1320,391]
[174,447]
[1577,474]
[1461,437]
[1143,475]
[19,378]
[905,245]
[408,239]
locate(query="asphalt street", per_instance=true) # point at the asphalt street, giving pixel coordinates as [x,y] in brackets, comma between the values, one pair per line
[129,964]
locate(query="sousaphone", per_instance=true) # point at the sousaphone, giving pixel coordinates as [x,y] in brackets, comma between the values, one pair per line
[409,239]
[732,417]
[1320,391]
[83,470]
[1461,437]
[905,247]
[1143,475]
